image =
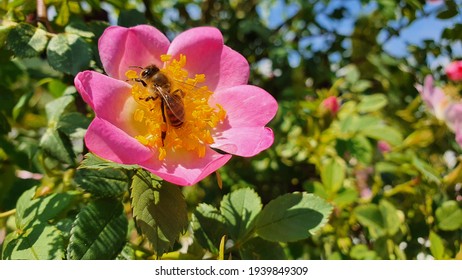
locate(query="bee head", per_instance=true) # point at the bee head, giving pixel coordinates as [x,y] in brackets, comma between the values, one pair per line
[149,71]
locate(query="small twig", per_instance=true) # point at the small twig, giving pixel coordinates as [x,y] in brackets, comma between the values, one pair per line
[7,213]
[42,15]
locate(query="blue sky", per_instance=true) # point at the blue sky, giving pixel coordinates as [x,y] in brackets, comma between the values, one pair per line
[425,28]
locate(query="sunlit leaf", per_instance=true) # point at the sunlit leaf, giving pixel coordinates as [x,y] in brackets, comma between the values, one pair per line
[239,209]
[56,108]
[40,242]
[68,53]
[426,170]
[381,219]
[30,210]
[159,211]
[292,217]
[106,182]
[436,246]
[449,216]
[333,174]
[92,161]
[382,132]
[24,40]
[63,14]
[372,103]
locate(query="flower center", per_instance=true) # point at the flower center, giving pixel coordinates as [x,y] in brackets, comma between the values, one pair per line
[173,108]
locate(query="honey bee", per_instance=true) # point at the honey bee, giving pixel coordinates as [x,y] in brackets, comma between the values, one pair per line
[158,84]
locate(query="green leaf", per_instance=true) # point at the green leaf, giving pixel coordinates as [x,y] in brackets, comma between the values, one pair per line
[129,18]
[345,197]
[24,40]
[30,211]
[58,146]
[437,246]
[422,137]
[333,174]
[21,106]
[4,31]
[107,182]
[92,161]
[372,103]
[209,227]
[56,108]
[381,219]
[79,28]
[73,124]
[390,217]
[40,242]
[5,126]
[292,217]
[383,132]
[159,211]
[450,12]
[260,249]
[358,147]
[69,53]
[127,253]
[239,209]
[371,217]
[426,170]
[99,231]
[449,216]
[64,13]
[362,252]
[56,87]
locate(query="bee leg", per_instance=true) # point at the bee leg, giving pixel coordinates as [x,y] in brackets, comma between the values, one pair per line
[139,81]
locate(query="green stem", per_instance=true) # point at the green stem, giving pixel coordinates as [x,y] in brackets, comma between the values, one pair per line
[7,213]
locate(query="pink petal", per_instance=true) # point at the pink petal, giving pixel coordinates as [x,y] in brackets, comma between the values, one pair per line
[206,54]
[121,47]
[111,99]
[453,115]
[246,105]
[459,135]
[248,109]
[234,69]
[111,143]
[244,141]
[434,97]
[186,169]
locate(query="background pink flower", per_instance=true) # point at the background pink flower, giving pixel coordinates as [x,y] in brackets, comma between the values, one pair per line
[332,104]
[454,70]
[112,134]
[434,97]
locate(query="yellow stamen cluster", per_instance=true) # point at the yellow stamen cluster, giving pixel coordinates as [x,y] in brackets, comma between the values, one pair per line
[199,119]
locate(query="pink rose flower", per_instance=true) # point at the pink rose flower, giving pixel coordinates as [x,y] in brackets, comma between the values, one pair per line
[434,97]
[383,146]
[454,70]
[331,104]
[174,128]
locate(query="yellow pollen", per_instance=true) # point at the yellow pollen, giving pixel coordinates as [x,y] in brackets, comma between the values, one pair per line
[195,133]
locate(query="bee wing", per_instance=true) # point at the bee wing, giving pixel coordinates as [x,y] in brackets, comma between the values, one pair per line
[174,102]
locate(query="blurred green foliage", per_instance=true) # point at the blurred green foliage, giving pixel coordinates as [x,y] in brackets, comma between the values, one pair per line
[403,202]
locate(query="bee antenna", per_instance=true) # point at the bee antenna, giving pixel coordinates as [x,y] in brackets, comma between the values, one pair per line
[138,67]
